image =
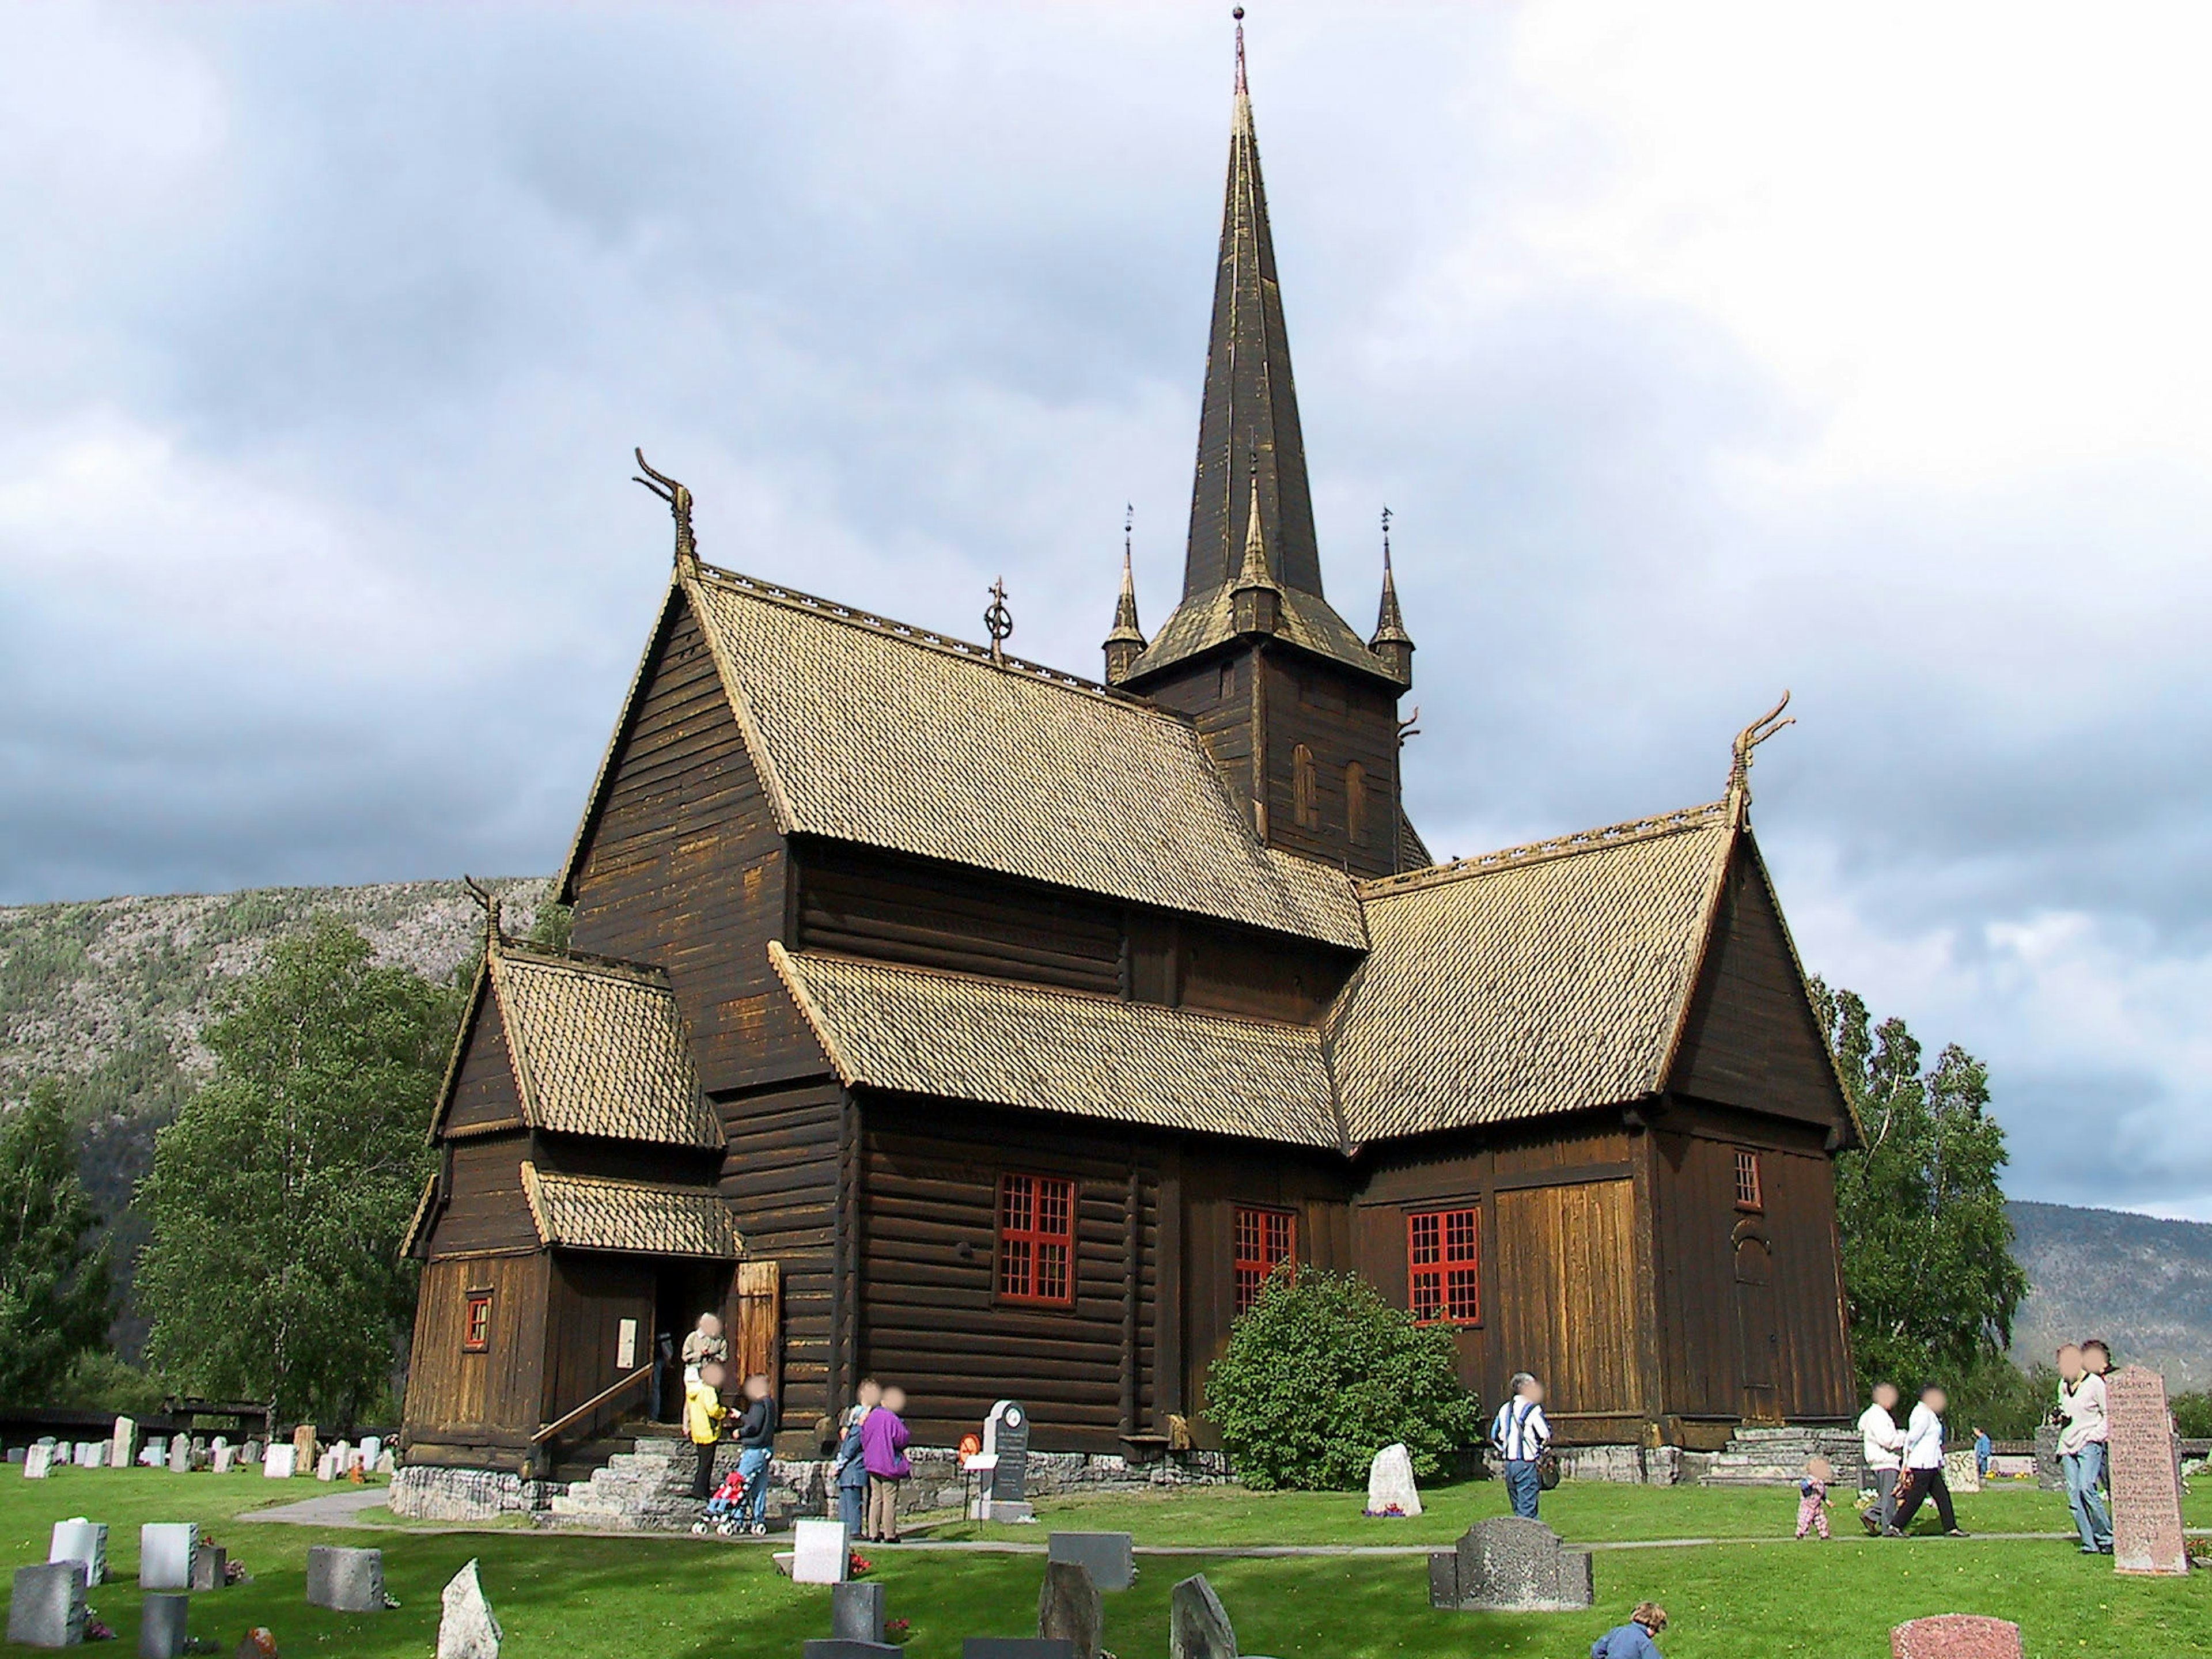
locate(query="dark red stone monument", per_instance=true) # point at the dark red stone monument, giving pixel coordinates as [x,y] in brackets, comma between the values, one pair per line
[2145,1475]
[1956,1636]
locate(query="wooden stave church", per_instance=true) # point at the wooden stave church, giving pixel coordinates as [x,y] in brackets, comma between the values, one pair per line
[884,944]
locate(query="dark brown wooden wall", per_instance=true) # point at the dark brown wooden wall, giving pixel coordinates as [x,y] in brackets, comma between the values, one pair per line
[684,869]
[1751,1040]
[484,1207]
[484,1092]
[1216,693]
[1339,717]
[477,1409]
[930,1318]
[782,1178]
[1698,1229]
[590,1296]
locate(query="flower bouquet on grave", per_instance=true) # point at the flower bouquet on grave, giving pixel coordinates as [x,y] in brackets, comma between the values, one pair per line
[1386,1510]
[859,1566]
[895,1630]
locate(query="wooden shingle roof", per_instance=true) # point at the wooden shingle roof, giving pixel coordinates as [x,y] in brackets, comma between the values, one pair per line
[868,731]
[591,1213]
[1541,979]
[599,1049]
[948,1035]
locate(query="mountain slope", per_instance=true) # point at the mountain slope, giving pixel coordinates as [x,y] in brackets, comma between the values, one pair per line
[2143,1285]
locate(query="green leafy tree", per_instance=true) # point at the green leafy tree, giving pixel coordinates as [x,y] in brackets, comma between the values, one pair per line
[1321,1373]
[53,1276]
[280,1195]
[1928,1261]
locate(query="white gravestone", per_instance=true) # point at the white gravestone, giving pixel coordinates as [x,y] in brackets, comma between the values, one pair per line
[277,1462]
[154,1453]
[165,1554]
[371,1450]
[125,1442]
[326,1466]
[1390,1488]
[36,1462]
[180,1453]
[79,1540]
[466,1627]
[226,1459]
[821,1553]
[1003,1469]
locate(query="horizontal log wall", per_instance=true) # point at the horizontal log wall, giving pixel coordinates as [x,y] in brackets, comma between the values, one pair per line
[484,1092]
[780,1176]
[484,1208]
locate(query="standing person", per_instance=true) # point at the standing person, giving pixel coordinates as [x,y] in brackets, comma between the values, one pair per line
[851,1466]
[1633,1639]
[1985,1451]
[1519,1434]
[1880,1446]
[2082,1429]
[884,1440]
[1812,1496]
[703,1412]
[1923,1463]
[705,1342]
[756,1445]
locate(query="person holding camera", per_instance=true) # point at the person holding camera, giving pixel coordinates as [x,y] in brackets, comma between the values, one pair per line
[2082,1428]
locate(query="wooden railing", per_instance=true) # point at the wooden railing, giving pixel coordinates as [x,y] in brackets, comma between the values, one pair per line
[623,1386]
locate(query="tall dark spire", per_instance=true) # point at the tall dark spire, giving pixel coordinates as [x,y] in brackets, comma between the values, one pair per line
[1125,641]
[1392,643]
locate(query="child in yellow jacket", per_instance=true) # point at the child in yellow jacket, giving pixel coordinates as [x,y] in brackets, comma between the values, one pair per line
[703,1411]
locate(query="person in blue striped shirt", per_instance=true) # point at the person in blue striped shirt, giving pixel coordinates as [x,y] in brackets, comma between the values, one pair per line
[1519,1434]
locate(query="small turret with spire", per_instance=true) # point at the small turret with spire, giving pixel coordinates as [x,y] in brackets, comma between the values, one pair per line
[1255,601]
[1392,643]
[1126,642]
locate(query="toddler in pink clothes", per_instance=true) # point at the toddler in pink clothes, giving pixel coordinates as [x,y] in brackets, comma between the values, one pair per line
[1812,1496]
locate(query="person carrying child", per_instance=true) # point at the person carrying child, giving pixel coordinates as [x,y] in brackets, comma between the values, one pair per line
[703,1411]
[884,1440]
[1633,1639]
[705,1342]
[850,1467]
[755,1446]
[1812,1496]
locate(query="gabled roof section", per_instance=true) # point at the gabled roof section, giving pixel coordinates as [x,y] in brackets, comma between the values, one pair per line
[589,1213]
[867,730]
[1540,979]
[921,1032]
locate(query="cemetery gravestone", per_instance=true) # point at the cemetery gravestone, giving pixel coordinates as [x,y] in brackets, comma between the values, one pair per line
[252,1452]
[372,1449]
[466,1628]
[836,1648]
[1004,1464]
[1390,1489]
[225,1460]
[15,1453]
[1198,1627]
[211,1567]
[2145,1475]
[85,1541]
[1961,1472]
[1069,1608]
[1109,1557]
[161,1625]
[125,1442]
[180,1454]
[165,1554]
[856,1613]
[346,1580]
[35,1462]
[154,1453]
[1956,1636]
[2049,1475]
[326,1466]
[46,1605]
[1507,1563]
[303,1446]
[1008,1647]
[276,1463]
[820,1553]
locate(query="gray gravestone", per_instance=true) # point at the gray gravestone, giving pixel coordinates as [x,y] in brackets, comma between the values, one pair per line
[2145,1472]
[211,1567]
[838,1650]
[1069,1609]
[46,1605]
[125,1442]
[2048,1476]
[15,1453]
[165,1555]
[161,1625]
[1507,1564]
[466,1627]
[1006,1477]
[1109,1557]
[346,1580]
[856,1613]
[1198,1626]
[1015,1647]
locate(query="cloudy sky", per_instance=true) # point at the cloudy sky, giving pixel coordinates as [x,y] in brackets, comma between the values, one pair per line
[1701,351]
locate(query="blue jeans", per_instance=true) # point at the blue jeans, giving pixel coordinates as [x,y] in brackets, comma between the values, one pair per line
[852,1506]
[2083,1469]
[1523,1485]
[752,1464]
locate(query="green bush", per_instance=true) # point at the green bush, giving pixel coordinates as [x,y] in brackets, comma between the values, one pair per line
[1321,1373]
[2192,1415]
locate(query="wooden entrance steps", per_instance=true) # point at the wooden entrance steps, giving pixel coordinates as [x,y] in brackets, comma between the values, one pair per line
[1776,1457]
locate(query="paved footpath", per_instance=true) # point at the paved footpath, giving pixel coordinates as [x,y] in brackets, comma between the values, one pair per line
[334,1508]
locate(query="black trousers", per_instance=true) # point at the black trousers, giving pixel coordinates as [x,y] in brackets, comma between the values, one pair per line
[1926,1483]
[703,1473]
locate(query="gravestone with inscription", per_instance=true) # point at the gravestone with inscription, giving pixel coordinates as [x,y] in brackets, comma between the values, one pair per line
[1956,1636]
[2145,1470]
[1961,1472]
[1005,1465]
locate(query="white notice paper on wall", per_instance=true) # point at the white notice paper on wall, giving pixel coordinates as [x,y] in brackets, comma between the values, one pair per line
[626,1346]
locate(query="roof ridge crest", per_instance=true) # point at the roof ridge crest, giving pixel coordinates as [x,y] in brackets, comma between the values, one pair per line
[1556,846]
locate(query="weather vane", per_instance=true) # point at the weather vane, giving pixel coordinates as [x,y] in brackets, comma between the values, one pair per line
[999,620]
[1386,539]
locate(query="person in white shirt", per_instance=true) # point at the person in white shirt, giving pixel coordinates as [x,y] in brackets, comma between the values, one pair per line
[2081,1432]
[1923,1463]
[1520,1433]
[1880,1446]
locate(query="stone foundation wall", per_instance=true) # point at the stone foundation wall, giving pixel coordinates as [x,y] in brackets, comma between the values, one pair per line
[424,1493]
[802,1487]
[1633,1466]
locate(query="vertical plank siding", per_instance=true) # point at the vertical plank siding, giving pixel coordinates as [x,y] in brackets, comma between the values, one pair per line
[781,1176]
[590,1296]
[479,1409]
[1340,718]
[1567,1276]
[484,1091]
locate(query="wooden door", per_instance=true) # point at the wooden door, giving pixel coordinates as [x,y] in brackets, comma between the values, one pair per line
[1566,1293]
[756,1323]
[1759,1340]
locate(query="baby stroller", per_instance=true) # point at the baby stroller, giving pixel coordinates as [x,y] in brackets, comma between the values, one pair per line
[721,1516]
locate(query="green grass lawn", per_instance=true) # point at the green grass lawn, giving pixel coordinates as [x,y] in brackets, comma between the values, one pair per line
[680,1598]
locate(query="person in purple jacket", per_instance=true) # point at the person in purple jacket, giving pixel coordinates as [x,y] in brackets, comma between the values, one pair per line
[883,1449]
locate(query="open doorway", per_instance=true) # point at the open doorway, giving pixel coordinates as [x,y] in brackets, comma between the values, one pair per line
[683,1290]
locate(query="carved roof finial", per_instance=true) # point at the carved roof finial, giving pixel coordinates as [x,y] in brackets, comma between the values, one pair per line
[493,935]
[999,621]
[1739,789]
[679,503]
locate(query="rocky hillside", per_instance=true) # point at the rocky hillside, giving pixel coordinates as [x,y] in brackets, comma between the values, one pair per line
[110,997]
[2143,1285]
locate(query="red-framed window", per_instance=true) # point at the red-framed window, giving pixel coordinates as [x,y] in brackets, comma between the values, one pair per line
[1747,1196]
[476,1322]
[1443,1265]
[1036,1240]
[1265,1240]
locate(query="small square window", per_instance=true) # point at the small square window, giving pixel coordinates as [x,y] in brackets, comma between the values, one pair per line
[1747,1181]
[476,1322]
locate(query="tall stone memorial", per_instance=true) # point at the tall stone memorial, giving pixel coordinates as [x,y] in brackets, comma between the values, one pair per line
[2145,1475]
[1005,1465]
